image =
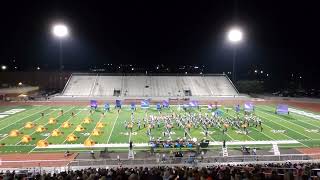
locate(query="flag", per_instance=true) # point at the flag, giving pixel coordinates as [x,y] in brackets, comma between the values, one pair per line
[165,103]
[93,104]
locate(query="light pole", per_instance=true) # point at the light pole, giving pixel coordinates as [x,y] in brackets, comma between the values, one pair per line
[61,32]
[234,36]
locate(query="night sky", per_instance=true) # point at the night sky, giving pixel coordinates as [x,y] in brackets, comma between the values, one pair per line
[281,37]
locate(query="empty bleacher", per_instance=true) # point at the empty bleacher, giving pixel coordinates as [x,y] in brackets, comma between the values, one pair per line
[79,85]
[106,85]
[148,86]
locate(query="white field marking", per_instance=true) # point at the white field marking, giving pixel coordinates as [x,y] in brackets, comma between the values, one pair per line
[284,126]
[282,134]
[304,113]
[300,120]
[23,118]
[130,137]
[44,125]
[121,145]
[50,133]
[246,134]
[3,116]
[208,134]
[184,128]
[112,128]
[23,126]
[74,128]
[62,123]
[228,134]
[287,120]
[256,142]
[204,130]
[260,131]
[12,111]
[188,133]
[95,127]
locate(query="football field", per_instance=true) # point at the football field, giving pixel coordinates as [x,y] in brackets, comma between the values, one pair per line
[22,127]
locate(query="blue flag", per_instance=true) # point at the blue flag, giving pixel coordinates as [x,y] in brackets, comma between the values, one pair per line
[94,104]
[118,103]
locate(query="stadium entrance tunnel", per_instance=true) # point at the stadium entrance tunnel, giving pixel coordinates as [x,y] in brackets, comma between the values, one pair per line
[187,92]
[117,92]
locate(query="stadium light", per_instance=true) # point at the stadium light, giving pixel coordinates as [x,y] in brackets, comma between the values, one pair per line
[61,31]
[234,36]
[3,67]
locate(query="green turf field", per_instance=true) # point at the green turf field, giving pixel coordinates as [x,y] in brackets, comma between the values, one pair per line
[297,127]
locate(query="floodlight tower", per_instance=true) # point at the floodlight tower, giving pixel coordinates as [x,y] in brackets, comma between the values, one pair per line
[234,37]
[61,32]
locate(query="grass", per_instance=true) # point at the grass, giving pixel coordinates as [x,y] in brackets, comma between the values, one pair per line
[297,127]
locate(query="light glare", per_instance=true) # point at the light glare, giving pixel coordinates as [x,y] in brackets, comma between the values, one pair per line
[235,35]
[60,30]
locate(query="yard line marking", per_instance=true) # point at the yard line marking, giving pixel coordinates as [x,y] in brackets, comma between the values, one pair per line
[258,130]
[50,133]
[74,128]
[130,137]
[113,128]
[19,113]
[286,127]
[62,123]
[280,125]
[24,118]
[272,128]
[309,118]
[95,127]
[44,125]
[283,118]
[304,113]
[23,126]
[209,134]
[247,134]
[183,128]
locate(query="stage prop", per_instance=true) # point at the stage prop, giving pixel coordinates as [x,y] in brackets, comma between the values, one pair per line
[165,103]
[282,109]
[94,104]
[248,107]
[145,104]
[118,104]
[107,107]
[133,106]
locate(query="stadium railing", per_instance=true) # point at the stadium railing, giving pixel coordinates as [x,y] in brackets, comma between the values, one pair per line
[160,161]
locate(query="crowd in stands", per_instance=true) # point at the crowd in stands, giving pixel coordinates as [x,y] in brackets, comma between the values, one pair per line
[285,171]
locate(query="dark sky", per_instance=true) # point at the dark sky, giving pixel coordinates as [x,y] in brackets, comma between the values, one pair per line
[280,36]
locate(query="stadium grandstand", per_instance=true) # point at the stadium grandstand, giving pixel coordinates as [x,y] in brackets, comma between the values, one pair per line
[100,85]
